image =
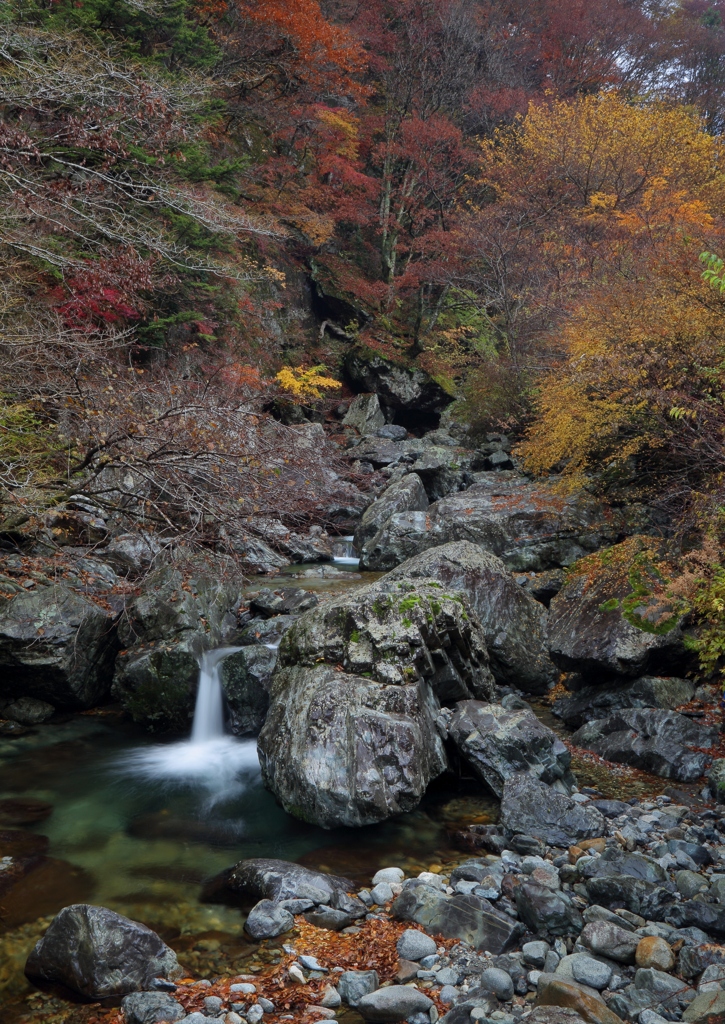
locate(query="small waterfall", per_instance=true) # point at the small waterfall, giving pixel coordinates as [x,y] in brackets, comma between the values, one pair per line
[208,722]
[343,551]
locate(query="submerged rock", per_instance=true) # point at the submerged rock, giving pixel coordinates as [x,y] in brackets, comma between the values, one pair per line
[56,646]
[514,623]
[499,744]
[98,953]
[654,740]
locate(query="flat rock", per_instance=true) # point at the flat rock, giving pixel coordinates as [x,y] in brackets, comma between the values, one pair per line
[555,991]
[470,918]
[534,809]
[394,1003]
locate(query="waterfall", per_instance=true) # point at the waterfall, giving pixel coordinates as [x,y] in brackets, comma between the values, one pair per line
[208,722]
[343,551]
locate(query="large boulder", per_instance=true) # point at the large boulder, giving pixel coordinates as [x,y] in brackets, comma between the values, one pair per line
[246,677]
[593,702]
[656,741]
[514,623]
[340,749]
[530,526]
[612,617]
[529,807]
[407,495]
[467,917]
[364,414]
[396,631]
[56,645]
[177,616]
[98,953]
[441,468]
[399,387]
[499,744]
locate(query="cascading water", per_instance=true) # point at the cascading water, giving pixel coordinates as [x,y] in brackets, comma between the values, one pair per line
[211,760]
[343,552]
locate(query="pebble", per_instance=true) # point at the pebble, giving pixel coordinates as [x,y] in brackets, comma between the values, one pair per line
[233,1018]
[266,1004]
[212,1006]
[381,893]
[588,971]
[310,963]
[654,952]
[448,994]
[254,1014]
[389,875]
[415,945]
[534,953]
[497,981]
[330,998]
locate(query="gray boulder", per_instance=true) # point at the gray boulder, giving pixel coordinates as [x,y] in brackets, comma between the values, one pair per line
[364,414]
[530,527]
[394,1003]
[513,622]
[353,985]
[133,554]
[56,646]
[28,711]
[655,741]
[545,911]
[398,387]
[151,1007]
[531,808]
[414,945]
[606,939]
[266,920]
[396,632]
[594,629]
[499,744]
[165,629]
[467,917]
[407,495]
[98,953]
[340,749]
[246,677]
[266,878]
[593,702]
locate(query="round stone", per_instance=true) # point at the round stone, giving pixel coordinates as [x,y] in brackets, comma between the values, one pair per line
[494,980]
[654,952]
[392,876]
[588,971]
[414,945]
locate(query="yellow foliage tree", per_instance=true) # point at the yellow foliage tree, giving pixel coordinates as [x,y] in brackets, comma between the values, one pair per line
[304,384]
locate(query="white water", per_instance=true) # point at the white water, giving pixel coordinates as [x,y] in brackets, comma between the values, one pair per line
[212,761]
[343,552]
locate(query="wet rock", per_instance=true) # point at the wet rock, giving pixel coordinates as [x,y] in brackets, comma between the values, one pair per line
[595,702]
[267,920]
[545,911]
[407,495]
[353,985]
[397,631]
[414,945]
[530,527]
[499,744]
[653,951]
[467,917]
[398,387]
[514,624]
[22,810]
[555,991]
[98,953]
[532,808]
[364,414]
[606,939]
[652,740]
[591,630]
[56,646]
[266,878]
[150,1007]
[28,711]
[246,678]
[340,749]
[164,631]
[394,1003]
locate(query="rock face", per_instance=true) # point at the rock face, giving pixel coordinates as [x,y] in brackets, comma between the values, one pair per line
[595,629]
[529,807]
[365,414]
[653,740]
[498,744]
[396,631]
[528,526]
[163,632]
[513,622]
[398,387]
[57,646]
[470,918]
[407,495]
[593,702]
[98,953]
[340,749]
[246,678]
